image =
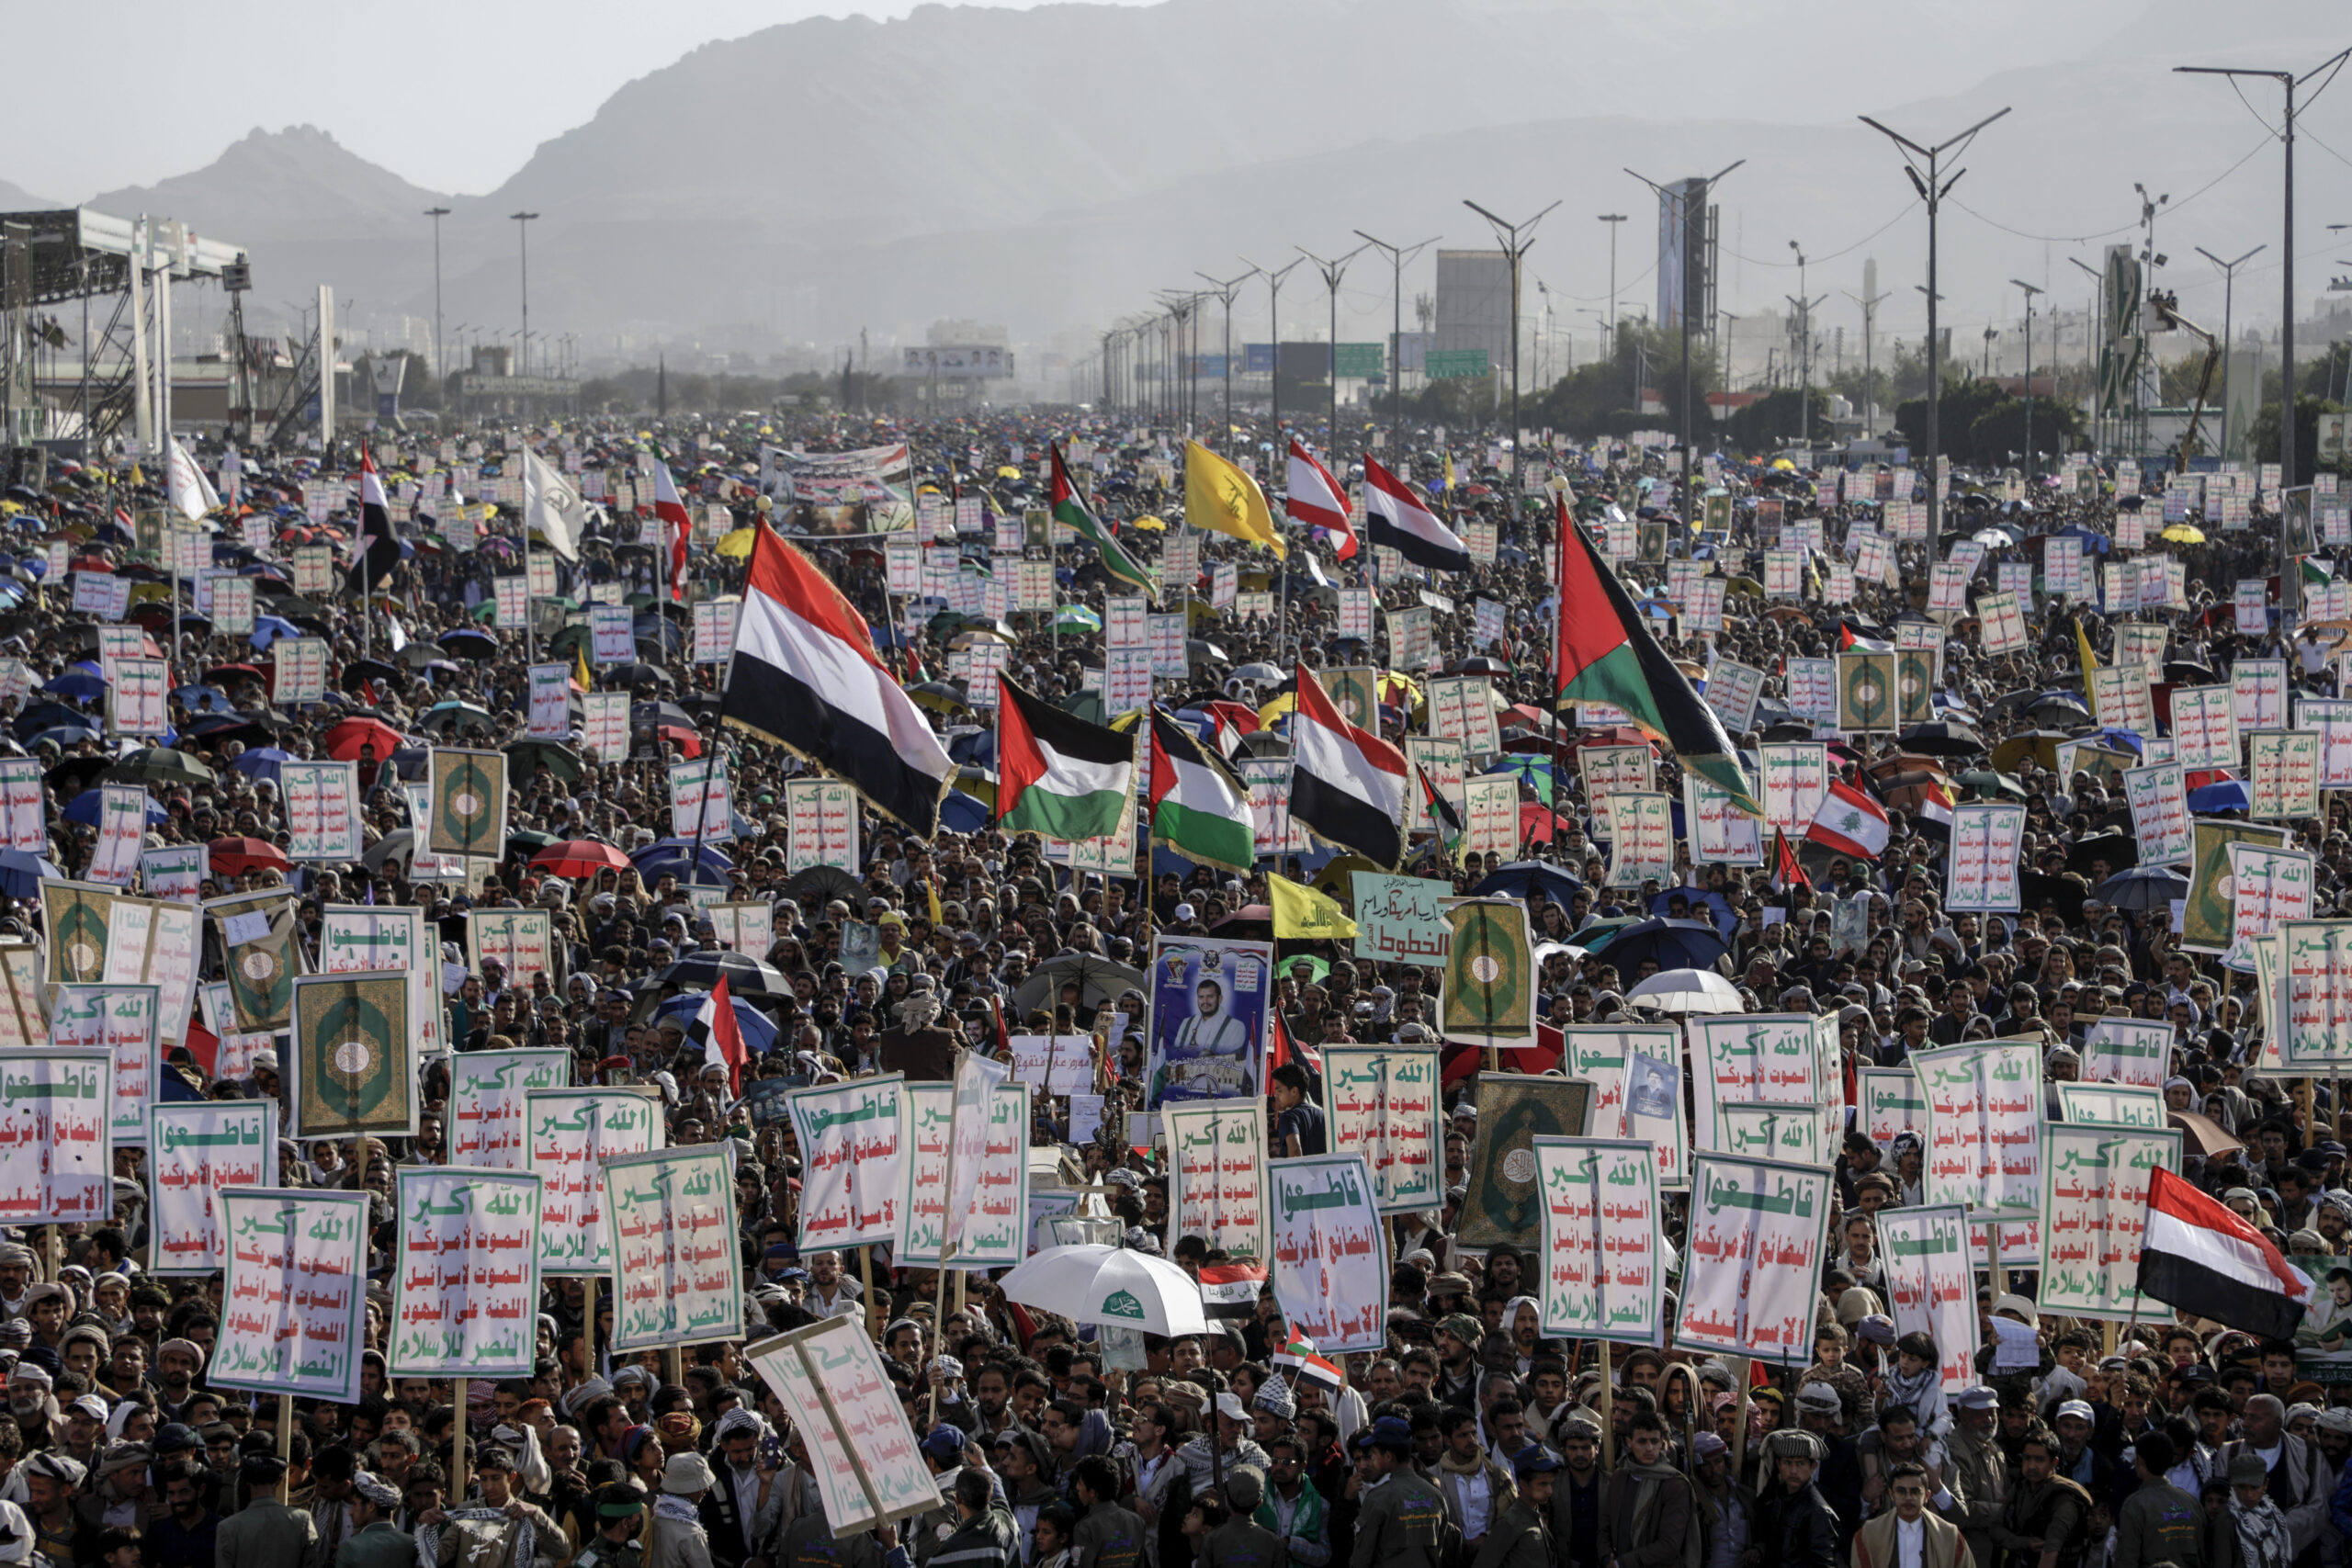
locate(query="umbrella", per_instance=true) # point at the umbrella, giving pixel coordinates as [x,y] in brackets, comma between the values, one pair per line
[711,856]
[529,756]
[234,857]
[1942,740]
[942,696]
[758,1029]
[580,857]
[469,642]
[1098,981]
[2144,887]
[1094,1283]
[745,975]
[2227,795]
[815,885]
[674,866]
[2202,1135]
[400,844]
[2182,534]
[2058,705]
[65,734]
[2120,850]
[344,741]
[2042,745]
[75,772]
[961,813]
[1671,944]
[21,874]
[159,764]
[441,718]
[79,684]
[1531,880]
[2065,893]
[267,629]
[635,674]
[1251,922]
[1687,990]
[1988,784]
[84,808]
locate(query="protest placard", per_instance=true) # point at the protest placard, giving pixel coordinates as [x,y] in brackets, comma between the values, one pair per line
[1891,1106]
[351,1066]
[300,667]
[2283,773]
[551,703]
[1984,1121]
[2111,1105]
[467,811]
[2158,796]
[1383,1101]
[1329,1261]
[122,835]
[466,1277]
[823,817]
[568,1134]
[715,623]
[2093,1206]
[486,1104]
[194,1151]
[1217,1174]
[1931,1283]
[852,1141]
[676,1266]
[2128,1051]
[1758,1059]
[1053,1063]
[1722,832]
[119,1020]
[1750,1272]
[1621,1061]
[2208,917]
[2268,889]
[830,1378]
[294,1293]
[1603,1276]
[1399,920]
[322,810]
[1988,848]
[1641,837]
[519,940]
[2314,986]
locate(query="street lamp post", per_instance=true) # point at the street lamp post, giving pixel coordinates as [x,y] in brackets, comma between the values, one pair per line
[2229,291]
[1273,276]
[1683,312]
[2030,292]
[1223,294]
[1612,220]
[1870,382]
[440,366]
[1397,256]
[1932,190]
[1804,305]
[1516,249]
[1332,272]
[523,231]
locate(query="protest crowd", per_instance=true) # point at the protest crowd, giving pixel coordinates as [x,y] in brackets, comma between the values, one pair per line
[579,926]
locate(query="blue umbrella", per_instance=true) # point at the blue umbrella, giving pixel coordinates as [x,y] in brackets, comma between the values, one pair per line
[267,629]
[2124,740]
[1721,913]
[961,813]
[759,1029]
[42,716]
[2227,795]
[79,684]
[205,699]
[1531,880]
[1675,944]
[675,866]
[2142,887]
[21,874]
[84,808]
[261,763]
[676,849]
[65,734]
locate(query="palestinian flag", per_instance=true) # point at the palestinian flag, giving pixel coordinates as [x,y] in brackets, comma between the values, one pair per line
[1786,871]
[1442,815]
[805,676]
[1198,809]
[1056,775]
[1069,509]
[1607,655]
[1280,1048]
[2197,1256]
[1231,1290]
[1299,1360]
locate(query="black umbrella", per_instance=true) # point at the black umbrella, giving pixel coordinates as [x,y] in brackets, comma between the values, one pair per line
[819,885]
[361,669]
[1942,740]
[2063,893]
[2117,849]
[2144,888]
[744,975]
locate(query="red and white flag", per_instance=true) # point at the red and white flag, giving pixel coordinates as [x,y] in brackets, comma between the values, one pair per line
[1394,515]
[726,1035]
[2198,1254]
[1850,822]
[671,514]
[1317,498]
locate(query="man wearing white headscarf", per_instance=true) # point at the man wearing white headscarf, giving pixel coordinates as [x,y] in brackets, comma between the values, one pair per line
[743,1513]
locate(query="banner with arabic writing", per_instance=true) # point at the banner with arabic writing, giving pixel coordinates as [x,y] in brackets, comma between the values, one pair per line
[1931,1283]
[2093,1206]
[466,1288]
[568,1134]
[195,1150]
[677,1272]
[119,1020]
[868,1469]
[1758,1059]
[293,1293]
[1603,1223]
[486,1091]
[56,1149]
[1752,1270]
[2137,1052]
[351,1068]
[930,1113]
[852,1141]
[1330,1257]
[1217,1174]
[359,939]
[993,1231]
[1621,1061]
[1382,1100]
[1983,1125]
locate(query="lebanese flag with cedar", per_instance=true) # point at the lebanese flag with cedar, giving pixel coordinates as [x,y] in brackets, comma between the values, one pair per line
[1850,822]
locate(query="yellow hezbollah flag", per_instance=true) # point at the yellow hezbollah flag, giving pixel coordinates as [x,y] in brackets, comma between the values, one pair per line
[2090,662]
[1222,499]
[581,672]
[1303,914]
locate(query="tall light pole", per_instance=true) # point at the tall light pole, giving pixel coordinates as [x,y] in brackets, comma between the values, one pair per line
[1612,220]
[2030,292]
[1273,276]
[1870,304]
[2290,82]
[440,366]
[1690,191]
[1805,304]
[2092,323]
[2229,291]
[1332,272]
[523,231]
[1223,294]
[1516,249]
[1397,256]
[1932,189]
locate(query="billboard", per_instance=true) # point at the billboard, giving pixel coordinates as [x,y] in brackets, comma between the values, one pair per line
[1474,304]
[1685,259]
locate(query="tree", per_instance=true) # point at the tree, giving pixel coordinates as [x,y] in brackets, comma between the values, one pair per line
[2264,436]
[1603,397]
[1764,425]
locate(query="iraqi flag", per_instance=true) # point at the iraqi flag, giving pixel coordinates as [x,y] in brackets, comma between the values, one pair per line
[1231,1290]
[1349,787]
[1056,775]
[1317,500]
[378,552]
[804,677]
[2199,1257]
[670,513]
[1850,822]
[1394,517]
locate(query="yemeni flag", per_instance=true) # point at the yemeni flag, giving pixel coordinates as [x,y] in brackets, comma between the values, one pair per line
[1607,655]
[1198,809]
[1850,822]
[1056,775]
[1317,500]
[1298,1358]
[1394,515]
[378,551]
[1935,811]
[1068,509]
[726,1036]
[1231,1290]
[804,677]
[2197,1256]
[670,513]
[1348,786]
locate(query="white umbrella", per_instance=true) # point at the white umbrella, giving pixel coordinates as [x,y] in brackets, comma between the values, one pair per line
[1687,990]
[1112,1285]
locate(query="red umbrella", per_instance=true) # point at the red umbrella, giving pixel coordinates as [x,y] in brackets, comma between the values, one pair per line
[212,676]
[580,857]
[344,740]
[1535,824]
[89,563]
[688,742]
[234,857]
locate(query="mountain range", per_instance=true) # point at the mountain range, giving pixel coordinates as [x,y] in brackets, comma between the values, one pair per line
[1050,169]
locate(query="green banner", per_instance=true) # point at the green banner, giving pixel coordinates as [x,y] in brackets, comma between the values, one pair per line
[353,1069]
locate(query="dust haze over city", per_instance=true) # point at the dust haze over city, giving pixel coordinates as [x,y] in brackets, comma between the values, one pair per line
[732,188]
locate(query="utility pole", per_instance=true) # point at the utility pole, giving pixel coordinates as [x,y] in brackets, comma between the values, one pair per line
[440,366]
[1223,294]
[523,231]
[2030,292]
[1332,272]
[1684,198]
[1870,305]
[1273,276]
[1516,249]
[2229,291]
[1932,188]
[1804,305]
[1612,220]
[1397,256]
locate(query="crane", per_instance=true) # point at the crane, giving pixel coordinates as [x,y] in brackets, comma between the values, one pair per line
[2168,308]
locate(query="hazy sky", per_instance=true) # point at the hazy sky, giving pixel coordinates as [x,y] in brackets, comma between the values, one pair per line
[391,85]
